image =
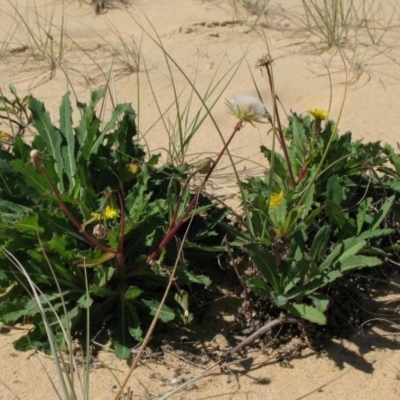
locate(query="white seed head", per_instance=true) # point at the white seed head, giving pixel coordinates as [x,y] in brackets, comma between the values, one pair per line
[247,108]
[99,231]
[36,158]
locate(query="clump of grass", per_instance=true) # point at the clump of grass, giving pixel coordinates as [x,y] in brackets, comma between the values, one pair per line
[357,29]
[330,20]
[374,20]
[333,21]
[245,8]
[254,7]
[126,53]
[43,39]
[102,6]
[188,117]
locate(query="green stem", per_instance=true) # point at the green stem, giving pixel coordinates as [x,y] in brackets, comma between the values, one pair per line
[178,202]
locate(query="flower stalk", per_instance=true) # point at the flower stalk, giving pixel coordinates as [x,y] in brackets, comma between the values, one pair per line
[245,108]
[176,225]
[319,115]
[266,63]
[120,251]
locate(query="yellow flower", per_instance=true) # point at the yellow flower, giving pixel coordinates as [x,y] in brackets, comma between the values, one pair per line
[247,108]
[96,216]
[109,213]
[318,113]
[275,199]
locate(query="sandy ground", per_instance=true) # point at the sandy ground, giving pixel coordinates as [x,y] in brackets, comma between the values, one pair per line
[217,47]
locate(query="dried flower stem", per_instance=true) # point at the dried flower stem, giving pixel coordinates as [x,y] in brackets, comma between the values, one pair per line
[281,139]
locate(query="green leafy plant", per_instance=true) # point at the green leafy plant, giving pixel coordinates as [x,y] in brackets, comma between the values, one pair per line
[85,200]
[325,207]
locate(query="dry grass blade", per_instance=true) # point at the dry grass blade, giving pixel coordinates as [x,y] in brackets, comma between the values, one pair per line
[102,6]
[65,380]
[44,42]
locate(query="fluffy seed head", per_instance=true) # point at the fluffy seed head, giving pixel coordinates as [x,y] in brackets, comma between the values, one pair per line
[247,108]
[36,158]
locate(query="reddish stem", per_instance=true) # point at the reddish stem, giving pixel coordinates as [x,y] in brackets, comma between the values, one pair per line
[68,213]
[174,228]
[120,251]
[280,131]
[178,203]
